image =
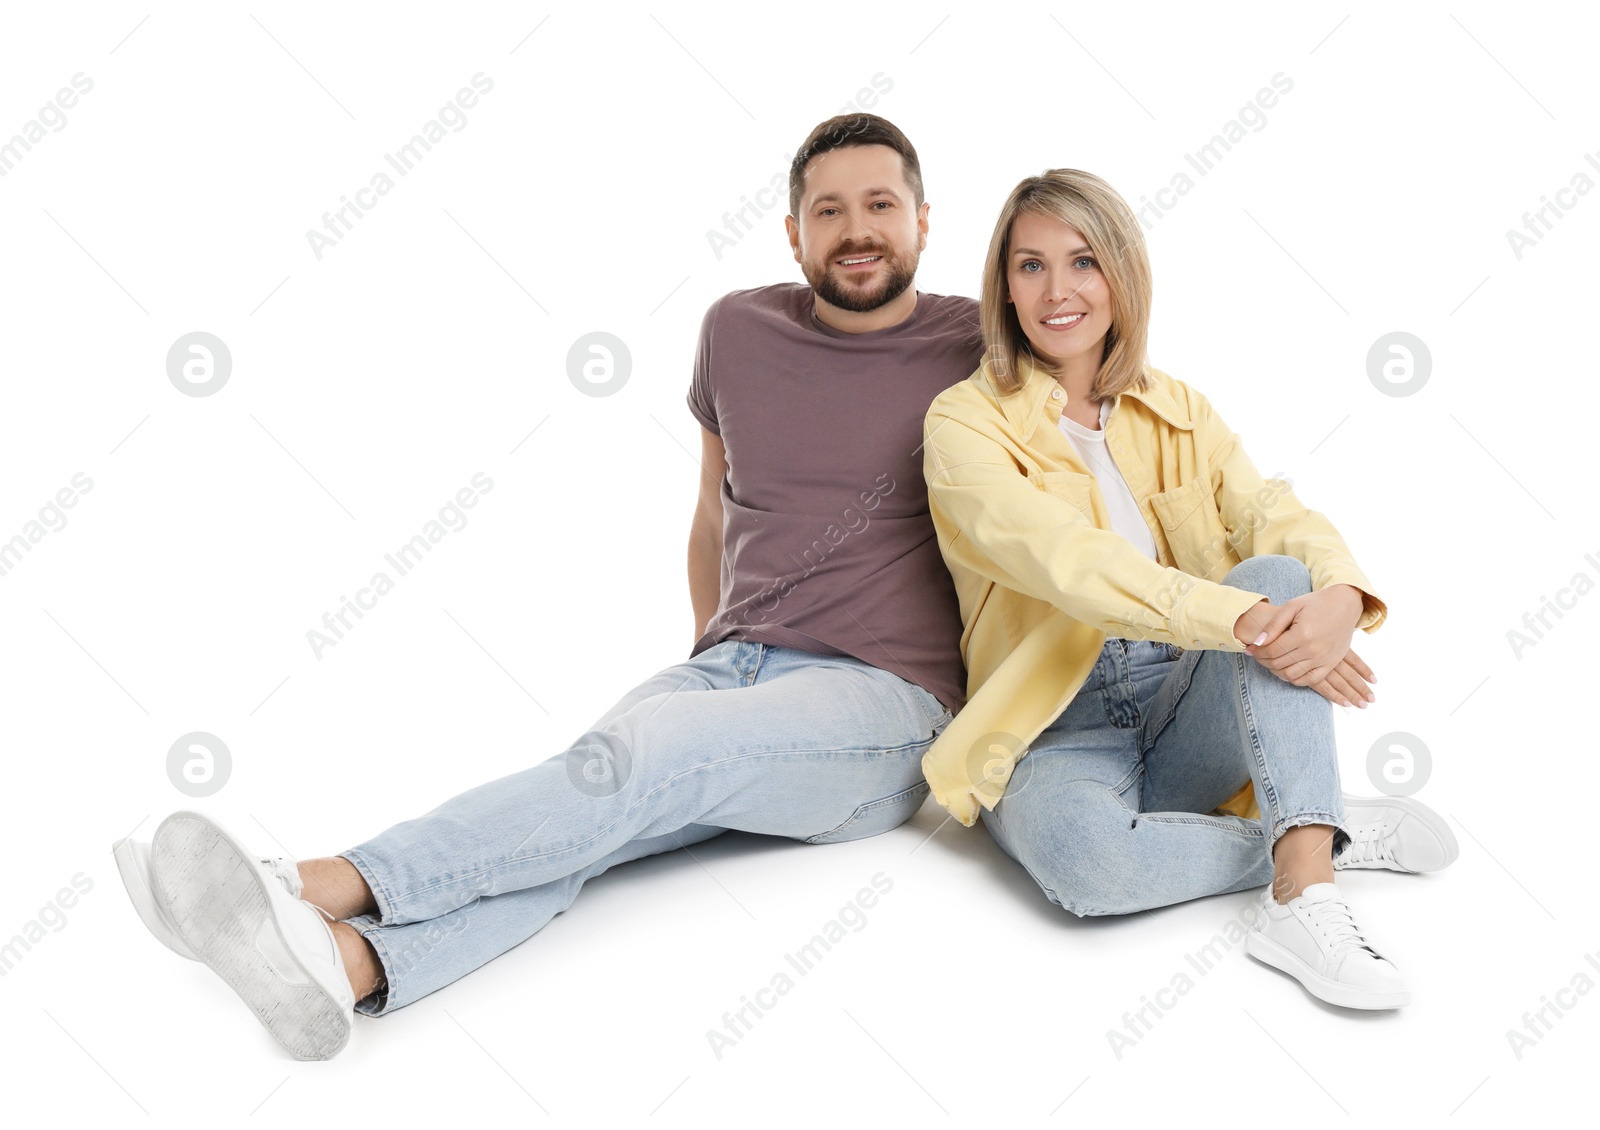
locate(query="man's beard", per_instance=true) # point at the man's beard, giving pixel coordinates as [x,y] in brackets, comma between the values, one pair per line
[858,300]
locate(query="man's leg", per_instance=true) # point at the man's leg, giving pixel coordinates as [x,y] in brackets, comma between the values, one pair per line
[430,954]
[757,738]
[338,886]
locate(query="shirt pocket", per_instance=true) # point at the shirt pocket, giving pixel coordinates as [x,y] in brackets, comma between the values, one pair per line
[1070,486]
[1194,529]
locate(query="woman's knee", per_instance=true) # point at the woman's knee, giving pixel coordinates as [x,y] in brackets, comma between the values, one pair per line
[1276,576]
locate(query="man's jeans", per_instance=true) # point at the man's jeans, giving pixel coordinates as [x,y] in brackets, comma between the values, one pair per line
[743,736]
[1109,810]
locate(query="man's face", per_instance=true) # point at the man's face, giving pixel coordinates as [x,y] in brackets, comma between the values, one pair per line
[859,233]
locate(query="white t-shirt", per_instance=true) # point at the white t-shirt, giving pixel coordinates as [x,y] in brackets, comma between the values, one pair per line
[1122,507]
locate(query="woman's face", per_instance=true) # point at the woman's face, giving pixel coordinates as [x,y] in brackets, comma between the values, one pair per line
[1063,301]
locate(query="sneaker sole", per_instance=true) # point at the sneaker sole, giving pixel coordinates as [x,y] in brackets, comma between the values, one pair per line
[218,904]
[136,881]
[1429,819]
[1268,952]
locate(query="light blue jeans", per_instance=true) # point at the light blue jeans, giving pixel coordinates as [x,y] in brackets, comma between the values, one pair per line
[1111,811]
[743,736]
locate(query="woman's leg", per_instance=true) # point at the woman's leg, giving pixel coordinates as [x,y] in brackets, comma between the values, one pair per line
[1070,814]
[1220,707]
[1220,718]
[1116,815]
[1197,725]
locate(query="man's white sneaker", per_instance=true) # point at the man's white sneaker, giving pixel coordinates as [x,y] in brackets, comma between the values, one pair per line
[1396,834]
[133,864]
[1314,938]
[235,914]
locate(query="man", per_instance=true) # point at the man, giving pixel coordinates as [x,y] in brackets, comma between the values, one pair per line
[828,663]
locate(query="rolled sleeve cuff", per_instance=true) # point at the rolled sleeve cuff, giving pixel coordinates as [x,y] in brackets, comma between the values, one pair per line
[950,781]
[956,799]
[1204,617]
[1373,610]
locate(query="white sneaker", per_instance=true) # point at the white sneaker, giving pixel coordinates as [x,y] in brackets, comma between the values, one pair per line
[1314,938]
[1396,833]
[235,914]
[133,863]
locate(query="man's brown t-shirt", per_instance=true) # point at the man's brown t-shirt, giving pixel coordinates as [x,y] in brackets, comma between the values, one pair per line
[827,545]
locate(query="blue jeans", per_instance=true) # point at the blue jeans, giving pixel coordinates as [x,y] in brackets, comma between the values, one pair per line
[1111,811]
[743,736]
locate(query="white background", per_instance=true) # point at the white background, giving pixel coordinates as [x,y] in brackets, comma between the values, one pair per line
[369,386]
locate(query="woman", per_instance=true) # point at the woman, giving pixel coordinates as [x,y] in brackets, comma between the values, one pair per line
[1156,626]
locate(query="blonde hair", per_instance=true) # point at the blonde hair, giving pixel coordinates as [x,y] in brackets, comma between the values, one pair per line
[1092,207]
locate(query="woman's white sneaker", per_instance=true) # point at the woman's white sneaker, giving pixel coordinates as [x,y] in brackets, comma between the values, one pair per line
[1314,938]
[1396,834]
[234,913]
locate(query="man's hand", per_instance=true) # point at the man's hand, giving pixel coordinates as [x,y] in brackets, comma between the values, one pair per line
[1308,636]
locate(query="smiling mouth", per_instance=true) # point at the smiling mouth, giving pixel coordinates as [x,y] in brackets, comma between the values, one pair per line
[858,260]
[1065,319]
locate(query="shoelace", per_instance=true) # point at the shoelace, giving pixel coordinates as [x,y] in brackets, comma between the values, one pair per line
[289,874]
[1332,918]
[1368,844]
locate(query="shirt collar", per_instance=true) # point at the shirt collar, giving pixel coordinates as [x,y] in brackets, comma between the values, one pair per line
[1024,407]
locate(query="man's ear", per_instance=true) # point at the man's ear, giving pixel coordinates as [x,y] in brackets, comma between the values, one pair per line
[793,230]
[922,226]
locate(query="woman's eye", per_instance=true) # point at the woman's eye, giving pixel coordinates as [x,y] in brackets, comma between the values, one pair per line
[1026,263]
[1082,259]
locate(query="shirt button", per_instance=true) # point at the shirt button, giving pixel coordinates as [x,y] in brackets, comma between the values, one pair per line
[1055,394]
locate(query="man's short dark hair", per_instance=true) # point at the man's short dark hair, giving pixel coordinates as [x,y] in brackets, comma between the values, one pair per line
[847,130]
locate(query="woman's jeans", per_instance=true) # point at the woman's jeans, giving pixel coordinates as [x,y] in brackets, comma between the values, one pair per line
[743,736]
[1109,812]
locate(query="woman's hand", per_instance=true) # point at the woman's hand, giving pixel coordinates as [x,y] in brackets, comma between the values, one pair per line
[1347,685]
[1305,638]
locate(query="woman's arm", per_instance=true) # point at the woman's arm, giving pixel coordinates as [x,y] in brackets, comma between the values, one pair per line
[1306,638]
[992,520]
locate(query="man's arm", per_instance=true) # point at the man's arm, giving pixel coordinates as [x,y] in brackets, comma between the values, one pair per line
[705,535]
